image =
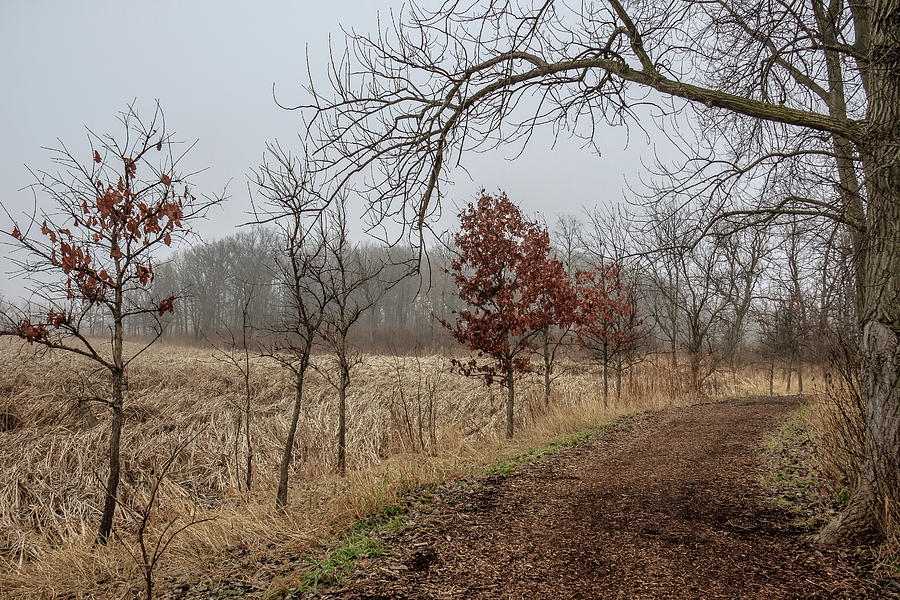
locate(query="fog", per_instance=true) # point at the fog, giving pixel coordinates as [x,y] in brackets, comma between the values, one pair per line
[213,67]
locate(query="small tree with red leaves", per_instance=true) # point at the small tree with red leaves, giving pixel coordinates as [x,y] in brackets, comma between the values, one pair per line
[607,324]
[90,251]
[501,270]
[557,309]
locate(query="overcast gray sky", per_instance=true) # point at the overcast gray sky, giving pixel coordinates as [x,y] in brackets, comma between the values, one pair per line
[67,65]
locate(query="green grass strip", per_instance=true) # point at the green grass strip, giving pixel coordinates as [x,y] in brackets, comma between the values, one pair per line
[362,539]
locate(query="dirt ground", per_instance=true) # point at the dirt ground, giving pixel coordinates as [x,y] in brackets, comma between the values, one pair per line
[667,505]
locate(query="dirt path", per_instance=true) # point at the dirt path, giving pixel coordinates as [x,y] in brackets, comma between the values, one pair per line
[667,506]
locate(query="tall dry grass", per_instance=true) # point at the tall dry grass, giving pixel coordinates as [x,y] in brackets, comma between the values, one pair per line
[838,424]
[411,423]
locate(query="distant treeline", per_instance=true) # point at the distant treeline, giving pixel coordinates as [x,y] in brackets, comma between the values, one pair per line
[213,280]
[784,294]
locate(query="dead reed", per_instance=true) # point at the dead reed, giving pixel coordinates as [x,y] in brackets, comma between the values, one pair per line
[838,424]
[411,423]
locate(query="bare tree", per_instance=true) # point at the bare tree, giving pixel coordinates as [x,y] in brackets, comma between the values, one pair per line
[743,258]
[91,249]
[350,281]
[292,201]
[799,302]
[150,551]
[236,354]
[214,278]
[703,309]
[664,245]
[609,239]
[206,283]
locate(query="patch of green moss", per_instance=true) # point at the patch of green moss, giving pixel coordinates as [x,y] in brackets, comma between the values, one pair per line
[359,542]
[550,448]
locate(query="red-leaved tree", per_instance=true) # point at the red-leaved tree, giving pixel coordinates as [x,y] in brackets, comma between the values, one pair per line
[89,254]
[557,311]
[607,324]
[501,269]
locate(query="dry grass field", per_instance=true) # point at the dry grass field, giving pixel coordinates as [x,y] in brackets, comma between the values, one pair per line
[411,422]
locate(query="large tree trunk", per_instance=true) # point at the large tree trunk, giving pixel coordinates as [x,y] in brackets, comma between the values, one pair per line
[879,287]
[281,495]
[878,493]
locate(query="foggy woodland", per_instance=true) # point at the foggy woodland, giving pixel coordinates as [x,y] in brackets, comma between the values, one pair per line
[781,297]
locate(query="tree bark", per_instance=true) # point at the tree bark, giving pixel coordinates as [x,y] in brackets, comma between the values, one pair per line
[249,441]
[342,422]
[547,365]
[605,378]
[112,480]
[510,400]
[116,404]
[618,377]
[788,373]
[674,350]
[879,288]
[281,496]
[238,424]
[695,372]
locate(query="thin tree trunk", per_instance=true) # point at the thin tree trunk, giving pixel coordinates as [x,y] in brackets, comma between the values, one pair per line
[238,424]
[281,496]
[631,379]
[695,372]
[249,472]
[148,584]
[605,377]
[248,396]
[788,373]
[342,423]
[605,384]
[116,404]
[112,480]
[432,430]
[420,422]
[510,400]
[619,377]
[547,365]
[772,376]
